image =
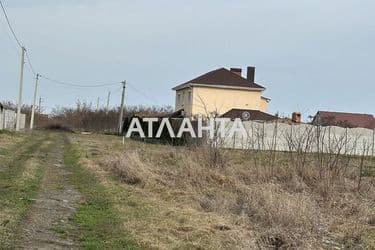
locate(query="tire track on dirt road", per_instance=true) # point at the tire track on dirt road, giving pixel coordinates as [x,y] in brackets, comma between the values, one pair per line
[53,207]
[20,172]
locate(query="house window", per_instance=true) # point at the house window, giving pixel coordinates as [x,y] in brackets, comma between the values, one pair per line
[189,97]
[178,99]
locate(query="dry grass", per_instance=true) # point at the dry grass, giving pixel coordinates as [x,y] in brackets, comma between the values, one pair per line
[7,139]
[249,202]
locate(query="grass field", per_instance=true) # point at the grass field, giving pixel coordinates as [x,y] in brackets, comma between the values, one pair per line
[172,197]
[106,195]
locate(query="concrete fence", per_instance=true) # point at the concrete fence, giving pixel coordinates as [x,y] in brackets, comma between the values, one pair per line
[8,120]
[303,137]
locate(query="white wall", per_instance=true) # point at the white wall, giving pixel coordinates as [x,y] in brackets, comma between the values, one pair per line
[8,120]
[304,137]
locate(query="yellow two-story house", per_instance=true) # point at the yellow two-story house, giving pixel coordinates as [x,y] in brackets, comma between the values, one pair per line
[219,91]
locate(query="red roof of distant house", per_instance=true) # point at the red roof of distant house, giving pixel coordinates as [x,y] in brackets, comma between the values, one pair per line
[223,77]
[249,115]
[346,120]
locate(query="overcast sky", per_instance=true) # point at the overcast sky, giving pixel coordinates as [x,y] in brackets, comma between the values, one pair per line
[310,55]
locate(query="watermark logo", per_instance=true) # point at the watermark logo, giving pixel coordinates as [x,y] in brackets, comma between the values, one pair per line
[245,116]
[214,127]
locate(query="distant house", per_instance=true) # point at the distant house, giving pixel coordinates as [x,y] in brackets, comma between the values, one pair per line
[219,91]
[345,120]
[249,115]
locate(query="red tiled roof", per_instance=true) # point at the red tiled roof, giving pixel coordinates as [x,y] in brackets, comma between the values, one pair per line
[222,77]
[347,120]
[255,115]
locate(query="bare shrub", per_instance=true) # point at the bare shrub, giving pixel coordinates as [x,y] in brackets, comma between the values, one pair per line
[57,126]
[126,167]
[277,239]
[85,117]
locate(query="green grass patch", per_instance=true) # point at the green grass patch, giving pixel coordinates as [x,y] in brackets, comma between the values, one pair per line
[98,222]
[16,197]
[6,132]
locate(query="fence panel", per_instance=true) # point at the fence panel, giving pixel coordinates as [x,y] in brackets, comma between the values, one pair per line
[8,120]
[303,137]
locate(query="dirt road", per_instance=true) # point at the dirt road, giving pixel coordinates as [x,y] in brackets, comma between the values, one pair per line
[49,201]
[53,206]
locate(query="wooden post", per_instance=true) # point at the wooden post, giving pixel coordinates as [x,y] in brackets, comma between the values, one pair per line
[120,120]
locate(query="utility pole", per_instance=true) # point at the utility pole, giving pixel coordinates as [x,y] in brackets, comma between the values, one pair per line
[121,108]
[97,104]
[40,105]
[109,96]
[78,102]
[34,102]
[18,119]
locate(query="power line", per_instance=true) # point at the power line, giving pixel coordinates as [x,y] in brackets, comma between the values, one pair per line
[31,67]
[94,85]
[142,93]
[79,85]
[116,90]
[9,25]
[12,44]
[29,63]
[16,38]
